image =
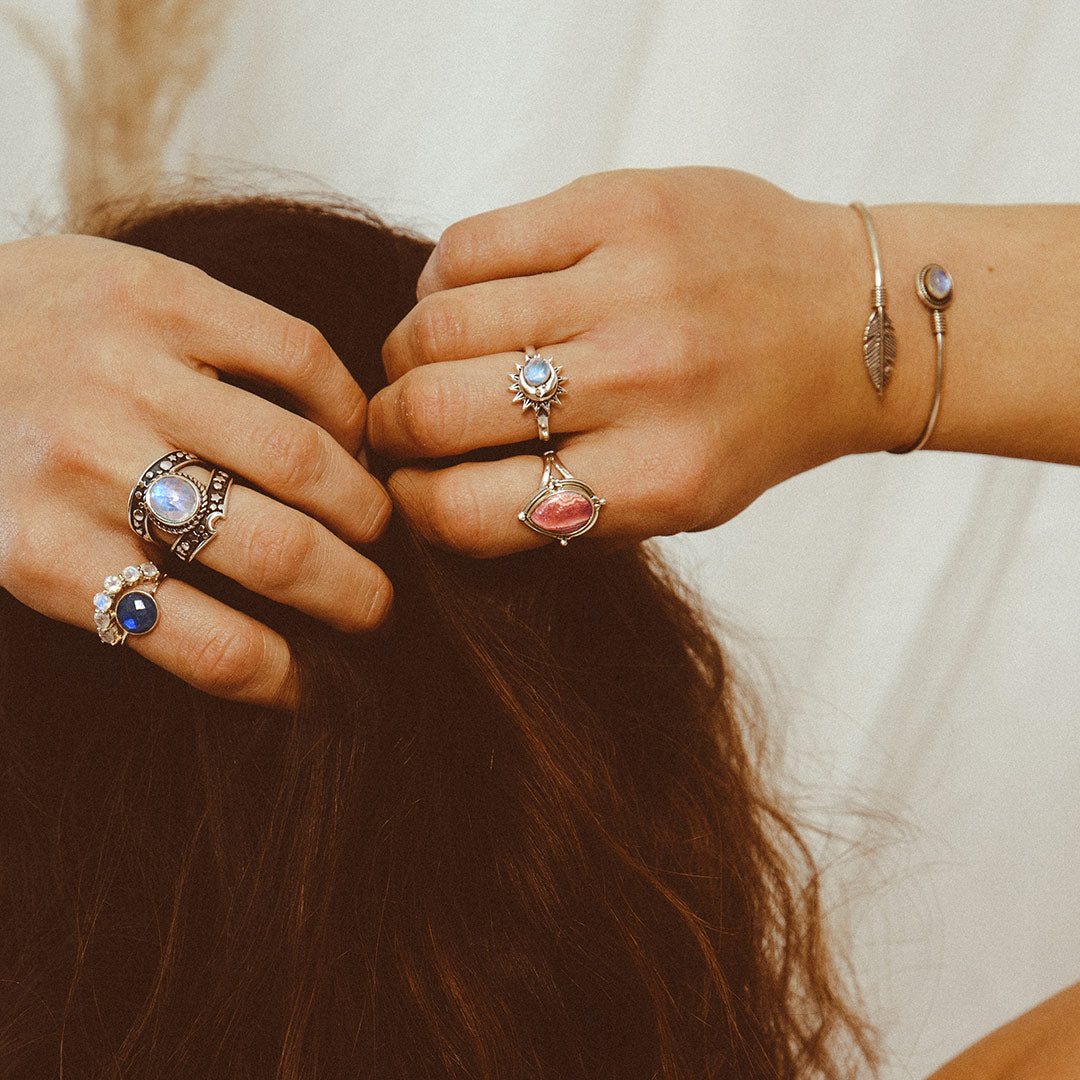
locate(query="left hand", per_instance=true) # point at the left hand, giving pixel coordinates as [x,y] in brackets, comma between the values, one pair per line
[708,324]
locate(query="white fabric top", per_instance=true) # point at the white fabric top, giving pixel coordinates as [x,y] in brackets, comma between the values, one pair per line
[920,615]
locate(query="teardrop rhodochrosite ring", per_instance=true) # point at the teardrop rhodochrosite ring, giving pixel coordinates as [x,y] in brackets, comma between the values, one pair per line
[564,506]
[538,384]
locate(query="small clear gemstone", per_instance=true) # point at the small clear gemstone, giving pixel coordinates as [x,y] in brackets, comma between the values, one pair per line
[110,635]
[102,619]
[537,371]
[137,612]
[149,571]
[130,574]
[938,282]
[172,499]
[113,584]
[102,602]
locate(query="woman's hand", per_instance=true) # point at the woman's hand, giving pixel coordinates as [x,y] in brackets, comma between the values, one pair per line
[710,329]
[110,356]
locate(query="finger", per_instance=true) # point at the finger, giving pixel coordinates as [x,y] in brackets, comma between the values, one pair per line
[540,235]
[473,508]
[288,457]
[496,316]
[214,324]
[197,638]
[442,409]
[286,556]
[217,650]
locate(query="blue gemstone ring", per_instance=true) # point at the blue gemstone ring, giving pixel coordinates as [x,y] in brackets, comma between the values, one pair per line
[538,384]
[165,499]
[127,604]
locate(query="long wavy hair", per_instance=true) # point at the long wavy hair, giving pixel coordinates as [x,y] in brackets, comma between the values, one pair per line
[518,831]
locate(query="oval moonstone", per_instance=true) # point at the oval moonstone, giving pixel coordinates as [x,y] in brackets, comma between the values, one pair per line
[938,283]
[173,500]
[137,612]
[562,513]
[537,371]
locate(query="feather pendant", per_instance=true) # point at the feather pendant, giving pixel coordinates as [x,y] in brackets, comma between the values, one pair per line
[879,348]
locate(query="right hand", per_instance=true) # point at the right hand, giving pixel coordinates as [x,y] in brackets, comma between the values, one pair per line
[111,355]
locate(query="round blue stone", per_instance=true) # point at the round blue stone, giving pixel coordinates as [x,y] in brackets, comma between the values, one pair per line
[137,612]
[537,371]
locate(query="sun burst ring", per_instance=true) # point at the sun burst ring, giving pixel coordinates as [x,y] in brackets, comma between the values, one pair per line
[538,384]
[165,500]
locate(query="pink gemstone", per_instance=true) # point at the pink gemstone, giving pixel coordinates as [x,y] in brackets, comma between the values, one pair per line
[562,513]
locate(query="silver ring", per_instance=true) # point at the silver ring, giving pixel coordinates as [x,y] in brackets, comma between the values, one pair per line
[538,384]
[564,506]
[126,605]
[167,499]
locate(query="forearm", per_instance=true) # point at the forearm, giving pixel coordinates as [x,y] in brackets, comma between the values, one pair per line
[1012,360]
[1043,1044]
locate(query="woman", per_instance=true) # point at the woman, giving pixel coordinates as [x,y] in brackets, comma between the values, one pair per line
[521,829]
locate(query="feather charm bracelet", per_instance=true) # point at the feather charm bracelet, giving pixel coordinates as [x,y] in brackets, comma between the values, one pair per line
[879,337]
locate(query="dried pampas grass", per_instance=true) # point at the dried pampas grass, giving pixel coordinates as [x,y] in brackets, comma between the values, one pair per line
[136,66]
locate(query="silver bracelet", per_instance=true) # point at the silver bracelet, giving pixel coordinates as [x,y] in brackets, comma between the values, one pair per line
[879,337]
[935,288]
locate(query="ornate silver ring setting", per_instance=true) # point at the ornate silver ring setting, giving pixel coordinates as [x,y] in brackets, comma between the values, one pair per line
[167,499]
[126,604]
[564,506]
[538,384]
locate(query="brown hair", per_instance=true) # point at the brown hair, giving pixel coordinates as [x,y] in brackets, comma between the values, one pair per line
[516,832]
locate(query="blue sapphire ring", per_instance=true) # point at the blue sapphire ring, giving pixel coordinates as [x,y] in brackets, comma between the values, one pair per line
[187,511]
[538,384]
[126,604]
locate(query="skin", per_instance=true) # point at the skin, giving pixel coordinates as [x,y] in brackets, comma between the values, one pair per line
[1043,1044]
[710,326]
[110,361]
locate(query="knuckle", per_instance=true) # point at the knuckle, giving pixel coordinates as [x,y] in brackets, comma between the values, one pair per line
[650,198]
[24,572]
[72,460]
[277,556]
[304,352]
[455,253]
[296,455]
[423,405]
[672,486]
[457,513]
[229,661]
[438,329]
[149,285]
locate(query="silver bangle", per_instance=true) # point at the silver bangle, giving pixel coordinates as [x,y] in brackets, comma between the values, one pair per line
[935,288]
[879,337]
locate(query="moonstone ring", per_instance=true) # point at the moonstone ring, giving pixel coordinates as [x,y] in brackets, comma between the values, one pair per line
[126,605]
[564,506]
[167,499]
[537,384]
